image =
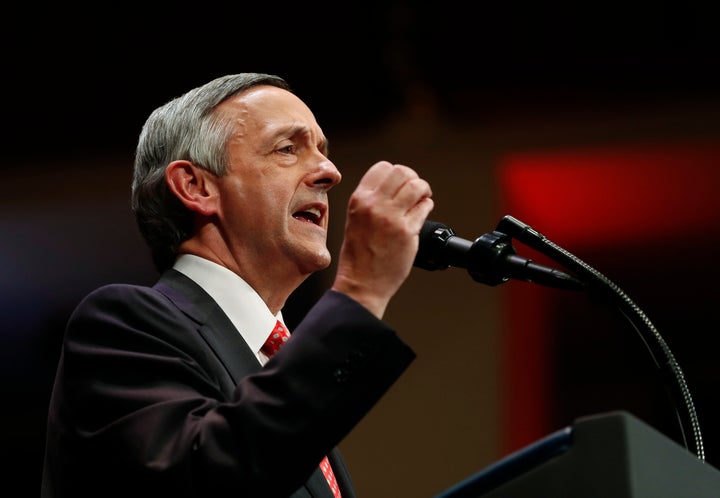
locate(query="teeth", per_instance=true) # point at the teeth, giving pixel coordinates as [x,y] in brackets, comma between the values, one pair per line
[310,214]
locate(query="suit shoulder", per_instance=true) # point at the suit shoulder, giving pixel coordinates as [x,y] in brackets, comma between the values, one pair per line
[119,294]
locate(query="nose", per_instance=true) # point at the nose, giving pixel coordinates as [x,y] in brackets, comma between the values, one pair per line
[326,175]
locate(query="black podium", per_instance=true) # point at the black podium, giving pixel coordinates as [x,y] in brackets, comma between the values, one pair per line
[612,455]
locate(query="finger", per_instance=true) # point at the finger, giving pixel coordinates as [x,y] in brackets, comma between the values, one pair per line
[397,178]
[419,212]
[375,175]
[412,192]
[386,178]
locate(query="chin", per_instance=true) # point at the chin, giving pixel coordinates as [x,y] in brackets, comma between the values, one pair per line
[317,261]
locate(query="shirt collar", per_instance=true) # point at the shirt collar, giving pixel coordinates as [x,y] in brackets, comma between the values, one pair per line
[240,302]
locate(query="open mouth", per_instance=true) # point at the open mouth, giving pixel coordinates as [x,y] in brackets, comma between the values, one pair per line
[310,215]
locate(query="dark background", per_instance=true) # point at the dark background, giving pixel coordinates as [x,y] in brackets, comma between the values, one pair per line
[79,81]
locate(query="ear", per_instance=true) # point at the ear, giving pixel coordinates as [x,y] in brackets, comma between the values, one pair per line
[193,186]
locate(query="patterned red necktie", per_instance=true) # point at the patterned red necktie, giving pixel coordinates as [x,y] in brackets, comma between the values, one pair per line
[275,340]
[272,344]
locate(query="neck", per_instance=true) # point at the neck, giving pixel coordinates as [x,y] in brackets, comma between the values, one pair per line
[271,283]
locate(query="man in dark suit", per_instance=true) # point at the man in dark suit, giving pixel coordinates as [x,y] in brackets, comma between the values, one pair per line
[166,390]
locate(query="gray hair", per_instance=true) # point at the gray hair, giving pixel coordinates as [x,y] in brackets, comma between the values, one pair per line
[186,128]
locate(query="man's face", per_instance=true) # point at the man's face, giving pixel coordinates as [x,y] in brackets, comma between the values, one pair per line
[274,203]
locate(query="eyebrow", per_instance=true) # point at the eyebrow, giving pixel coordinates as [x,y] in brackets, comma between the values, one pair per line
[299,129]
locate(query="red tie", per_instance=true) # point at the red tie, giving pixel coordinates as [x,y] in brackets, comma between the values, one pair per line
[272,344]
[275,340]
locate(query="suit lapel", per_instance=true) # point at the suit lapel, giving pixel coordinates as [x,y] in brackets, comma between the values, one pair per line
[341,474]
[213,324]
[238,359]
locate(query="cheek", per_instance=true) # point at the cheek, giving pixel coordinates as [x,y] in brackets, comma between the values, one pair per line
[259,197]
[277,194]
[268,207]
[241,205]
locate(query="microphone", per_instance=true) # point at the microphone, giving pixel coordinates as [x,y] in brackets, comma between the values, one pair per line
[491,259]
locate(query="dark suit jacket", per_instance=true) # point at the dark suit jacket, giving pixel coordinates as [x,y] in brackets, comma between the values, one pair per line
[157,394]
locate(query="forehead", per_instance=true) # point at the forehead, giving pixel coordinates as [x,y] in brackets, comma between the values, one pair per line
[267,108]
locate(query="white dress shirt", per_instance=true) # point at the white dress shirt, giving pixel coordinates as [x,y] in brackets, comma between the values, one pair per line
[245,308]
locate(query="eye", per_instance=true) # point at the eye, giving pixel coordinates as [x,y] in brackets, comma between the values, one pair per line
[288,149]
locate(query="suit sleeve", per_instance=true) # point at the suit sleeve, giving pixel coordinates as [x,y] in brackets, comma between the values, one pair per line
[138,403]
[338,363]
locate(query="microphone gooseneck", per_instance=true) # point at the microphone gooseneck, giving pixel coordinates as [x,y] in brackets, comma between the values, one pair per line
[491,259]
